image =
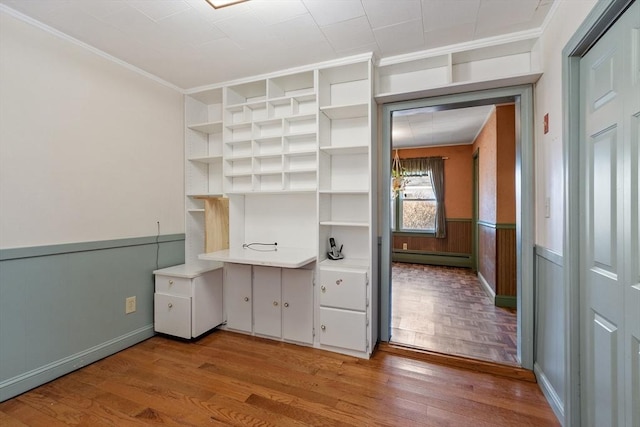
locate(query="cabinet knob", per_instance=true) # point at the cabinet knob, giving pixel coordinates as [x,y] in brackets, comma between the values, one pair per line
[286,304]
[171,282]
[275,303]
[338,282]
[246,299]
[323,327]
[323,289]
[170,305]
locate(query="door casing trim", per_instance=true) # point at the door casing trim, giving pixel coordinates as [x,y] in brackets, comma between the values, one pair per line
[601,17]
[525,218]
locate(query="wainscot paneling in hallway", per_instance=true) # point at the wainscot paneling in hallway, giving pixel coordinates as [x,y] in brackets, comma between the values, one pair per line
[231,379]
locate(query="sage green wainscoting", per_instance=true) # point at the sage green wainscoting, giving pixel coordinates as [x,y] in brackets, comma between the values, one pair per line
[63,306]
[551,333]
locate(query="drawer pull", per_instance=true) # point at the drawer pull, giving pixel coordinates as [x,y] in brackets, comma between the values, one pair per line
[323,289]
[323,327]
[338,282]
[171,282]
[275,303]
[246,299]
[286,304]
[170,305]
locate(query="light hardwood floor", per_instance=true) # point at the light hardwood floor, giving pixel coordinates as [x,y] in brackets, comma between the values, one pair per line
[445,309]
[232,379]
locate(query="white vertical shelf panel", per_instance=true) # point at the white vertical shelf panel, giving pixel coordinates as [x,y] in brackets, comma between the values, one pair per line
[203,162]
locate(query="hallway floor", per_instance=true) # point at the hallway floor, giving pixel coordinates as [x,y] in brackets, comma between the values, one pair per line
[445,309]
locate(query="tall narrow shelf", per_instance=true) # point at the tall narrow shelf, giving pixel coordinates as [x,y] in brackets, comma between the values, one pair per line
[346,155]
[203,164]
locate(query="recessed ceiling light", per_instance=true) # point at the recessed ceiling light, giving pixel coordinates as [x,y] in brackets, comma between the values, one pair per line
[217,4]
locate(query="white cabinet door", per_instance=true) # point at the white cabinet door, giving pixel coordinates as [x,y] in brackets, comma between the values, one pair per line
[297,305]
[343,328]
[172,315]
[238,298]
[342,288]
[266,304]
[206,310]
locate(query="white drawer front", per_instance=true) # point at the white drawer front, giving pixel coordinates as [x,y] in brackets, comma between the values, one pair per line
[172,315]
[343,289]
[341,328]
[173,285]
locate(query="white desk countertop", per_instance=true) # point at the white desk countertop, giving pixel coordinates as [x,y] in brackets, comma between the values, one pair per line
[190,270]
[282,257]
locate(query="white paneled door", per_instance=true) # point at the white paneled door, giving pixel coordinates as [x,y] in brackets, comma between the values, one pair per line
[610,258]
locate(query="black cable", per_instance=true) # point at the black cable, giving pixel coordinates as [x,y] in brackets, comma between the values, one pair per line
[158,247]
[249,246]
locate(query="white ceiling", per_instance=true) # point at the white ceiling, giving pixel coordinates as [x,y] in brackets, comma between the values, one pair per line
[425,127]
[189,44]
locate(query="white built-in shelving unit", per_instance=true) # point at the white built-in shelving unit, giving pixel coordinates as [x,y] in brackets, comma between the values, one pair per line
[469,66]
[295,154]
[347,154]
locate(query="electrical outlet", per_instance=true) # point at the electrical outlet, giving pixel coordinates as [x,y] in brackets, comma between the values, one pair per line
[130,305]
[404,246]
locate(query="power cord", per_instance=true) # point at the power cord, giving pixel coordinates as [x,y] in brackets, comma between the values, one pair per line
[158,247]
[250,246]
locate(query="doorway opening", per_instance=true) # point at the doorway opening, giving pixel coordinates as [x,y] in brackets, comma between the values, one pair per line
[406,255]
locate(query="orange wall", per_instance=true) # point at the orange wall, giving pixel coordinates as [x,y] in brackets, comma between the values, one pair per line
[458,176]
[486,146]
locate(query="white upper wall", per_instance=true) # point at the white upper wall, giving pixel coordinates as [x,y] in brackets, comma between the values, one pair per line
[89,150]
[548,99]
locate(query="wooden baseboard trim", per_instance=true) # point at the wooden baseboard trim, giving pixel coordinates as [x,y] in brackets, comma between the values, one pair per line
[514,372]
[507,301]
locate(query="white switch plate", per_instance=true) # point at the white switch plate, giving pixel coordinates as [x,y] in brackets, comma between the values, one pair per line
[130,305]
[547,207]
[404,246]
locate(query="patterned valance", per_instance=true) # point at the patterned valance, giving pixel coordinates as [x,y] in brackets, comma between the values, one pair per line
[418,166]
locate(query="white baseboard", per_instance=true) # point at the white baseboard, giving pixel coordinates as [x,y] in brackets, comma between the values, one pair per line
[547,389]
[29,380]
[490,292]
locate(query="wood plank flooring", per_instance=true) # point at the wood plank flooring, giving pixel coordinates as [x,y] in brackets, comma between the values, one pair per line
[445,309]
[231,379]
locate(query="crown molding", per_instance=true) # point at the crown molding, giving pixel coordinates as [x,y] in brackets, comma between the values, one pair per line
[59,34]
[550,15]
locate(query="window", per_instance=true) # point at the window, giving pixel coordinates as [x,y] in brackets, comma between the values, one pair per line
[415,208]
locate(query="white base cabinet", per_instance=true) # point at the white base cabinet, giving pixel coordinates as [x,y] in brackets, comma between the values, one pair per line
[267,310]
[297,305]
[344,308]
[270,301]
[188,299]
[238,297]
